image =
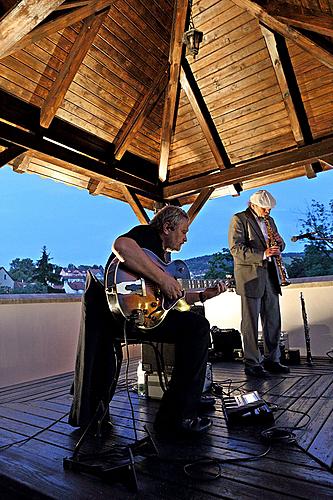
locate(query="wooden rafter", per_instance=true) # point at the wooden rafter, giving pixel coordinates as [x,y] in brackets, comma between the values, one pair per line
[281,78]
[54,25]
[199,203]
[95,187]
[276,163]
[25,139]
[328,161]
[301,17]
[9,154]
[81,46]
[22,162]
[72,5]
[23,18]
[135,121]
[201,119]
[175,54]
[135,204]
[273,23]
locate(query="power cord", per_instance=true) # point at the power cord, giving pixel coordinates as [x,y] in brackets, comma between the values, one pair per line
[26,440]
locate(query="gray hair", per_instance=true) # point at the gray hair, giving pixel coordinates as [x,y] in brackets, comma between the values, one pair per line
[168,214]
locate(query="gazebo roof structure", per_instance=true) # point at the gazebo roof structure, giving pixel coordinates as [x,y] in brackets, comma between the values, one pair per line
[101,95]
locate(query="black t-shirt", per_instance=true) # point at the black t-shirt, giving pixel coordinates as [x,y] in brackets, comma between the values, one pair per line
[146,236]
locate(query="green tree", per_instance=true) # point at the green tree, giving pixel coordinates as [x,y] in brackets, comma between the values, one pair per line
[22,270]
[220,264]
[318,253]
[47,273]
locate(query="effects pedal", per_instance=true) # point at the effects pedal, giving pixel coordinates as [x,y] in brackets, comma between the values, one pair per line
[246,409]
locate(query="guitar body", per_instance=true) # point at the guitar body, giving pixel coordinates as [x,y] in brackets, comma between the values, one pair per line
[139,300]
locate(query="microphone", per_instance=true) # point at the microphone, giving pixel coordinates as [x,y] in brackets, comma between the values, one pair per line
[301,236]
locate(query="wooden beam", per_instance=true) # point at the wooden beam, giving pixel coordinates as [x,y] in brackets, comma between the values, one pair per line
[328,162]
[309,171]
[290,33]
[282,81]
[135,204]
[28,140]
[95,187]
[9,154]
[134,122]
[17,117]
[306,19]
[242,172]
[57,24]
[236,189]
[23,18]
[175,55]
[197,205]
[72,5]
[66,75]
[22,162]
[201,119]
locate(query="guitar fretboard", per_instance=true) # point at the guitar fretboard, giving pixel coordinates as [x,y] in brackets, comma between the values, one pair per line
[192,284]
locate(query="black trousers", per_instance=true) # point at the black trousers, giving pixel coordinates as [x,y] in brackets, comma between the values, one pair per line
[99,357]
[189,332]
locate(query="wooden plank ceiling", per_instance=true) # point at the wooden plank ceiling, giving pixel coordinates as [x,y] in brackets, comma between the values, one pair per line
[100,94]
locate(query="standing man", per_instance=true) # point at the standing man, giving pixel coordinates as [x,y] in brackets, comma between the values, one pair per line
[190,332]
[257,282]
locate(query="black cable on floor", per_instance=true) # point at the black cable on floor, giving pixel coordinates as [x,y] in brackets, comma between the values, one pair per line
[26,440]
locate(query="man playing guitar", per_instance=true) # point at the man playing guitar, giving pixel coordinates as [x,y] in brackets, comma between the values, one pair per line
[189,331]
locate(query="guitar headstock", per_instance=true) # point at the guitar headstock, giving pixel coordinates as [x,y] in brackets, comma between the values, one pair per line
[230,282]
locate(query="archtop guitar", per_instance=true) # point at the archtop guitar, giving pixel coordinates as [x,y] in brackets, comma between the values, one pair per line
[140,300]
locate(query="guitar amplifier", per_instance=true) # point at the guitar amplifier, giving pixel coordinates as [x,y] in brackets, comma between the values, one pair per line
[246,409]
[154,390]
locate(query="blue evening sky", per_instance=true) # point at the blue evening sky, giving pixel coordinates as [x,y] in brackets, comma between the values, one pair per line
[79,228]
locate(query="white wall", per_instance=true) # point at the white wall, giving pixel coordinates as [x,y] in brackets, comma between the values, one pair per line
[39,335]
[224,311]
[37,338]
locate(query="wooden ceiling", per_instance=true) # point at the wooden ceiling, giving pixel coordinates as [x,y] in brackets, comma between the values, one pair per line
[101,95]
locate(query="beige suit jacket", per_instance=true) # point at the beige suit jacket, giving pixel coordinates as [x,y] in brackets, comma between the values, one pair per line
[247,246]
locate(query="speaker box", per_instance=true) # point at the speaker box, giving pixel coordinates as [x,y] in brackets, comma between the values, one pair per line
[225,342]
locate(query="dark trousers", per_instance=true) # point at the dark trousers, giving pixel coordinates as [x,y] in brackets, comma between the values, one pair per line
[189,332]
[99,357]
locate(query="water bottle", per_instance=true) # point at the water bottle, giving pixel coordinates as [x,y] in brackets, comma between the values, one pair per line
[141,381]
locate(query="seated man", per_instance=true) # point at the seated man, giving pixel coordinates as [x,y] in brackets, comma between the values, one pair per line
[189,331]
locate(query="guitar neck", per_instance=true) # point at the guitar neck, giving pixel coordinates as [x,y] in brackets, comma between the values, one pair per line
[196,284]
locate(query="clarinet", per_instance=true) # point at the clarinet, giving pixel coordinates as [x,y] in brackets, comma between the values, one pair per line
[309,359]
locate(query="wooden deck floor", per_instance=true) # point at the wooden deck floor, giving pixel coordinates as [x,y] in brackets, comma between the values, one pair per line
[34,469]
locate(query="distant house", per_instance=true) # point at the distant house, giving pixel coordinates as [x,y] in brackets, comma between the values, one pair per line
[6,281]
[74,279]
[74,287]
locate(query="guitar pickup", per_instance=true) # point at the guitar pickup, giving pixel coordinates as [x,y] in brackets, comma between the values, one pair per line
[132,287]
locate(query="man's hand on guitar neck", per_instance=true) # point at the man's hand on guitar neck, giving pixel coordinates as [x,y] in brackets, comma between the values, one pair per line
[208,293]
[213,291]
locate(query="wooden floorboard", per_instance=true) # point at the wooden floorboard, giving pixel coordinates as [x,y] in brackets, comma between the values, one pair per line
[302,469]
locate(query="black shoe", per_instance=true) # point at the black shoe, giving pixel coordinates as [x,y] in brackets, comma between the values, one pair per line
[206,401]
[256,371]
[275,367]
[188,426]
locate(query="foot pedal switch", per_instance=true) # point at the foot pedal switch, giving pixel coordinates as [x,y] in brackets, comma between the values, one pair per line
[246,409]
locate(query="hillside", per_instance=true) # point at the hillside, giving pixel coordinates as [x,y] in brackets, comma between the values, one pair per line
[198,266]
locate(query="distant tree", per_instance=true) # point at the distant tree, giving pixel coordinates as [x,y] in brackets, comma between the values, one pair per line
[220,264]
[71,267]
[45,271]
[31,288]
[22,270]
[318,253]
